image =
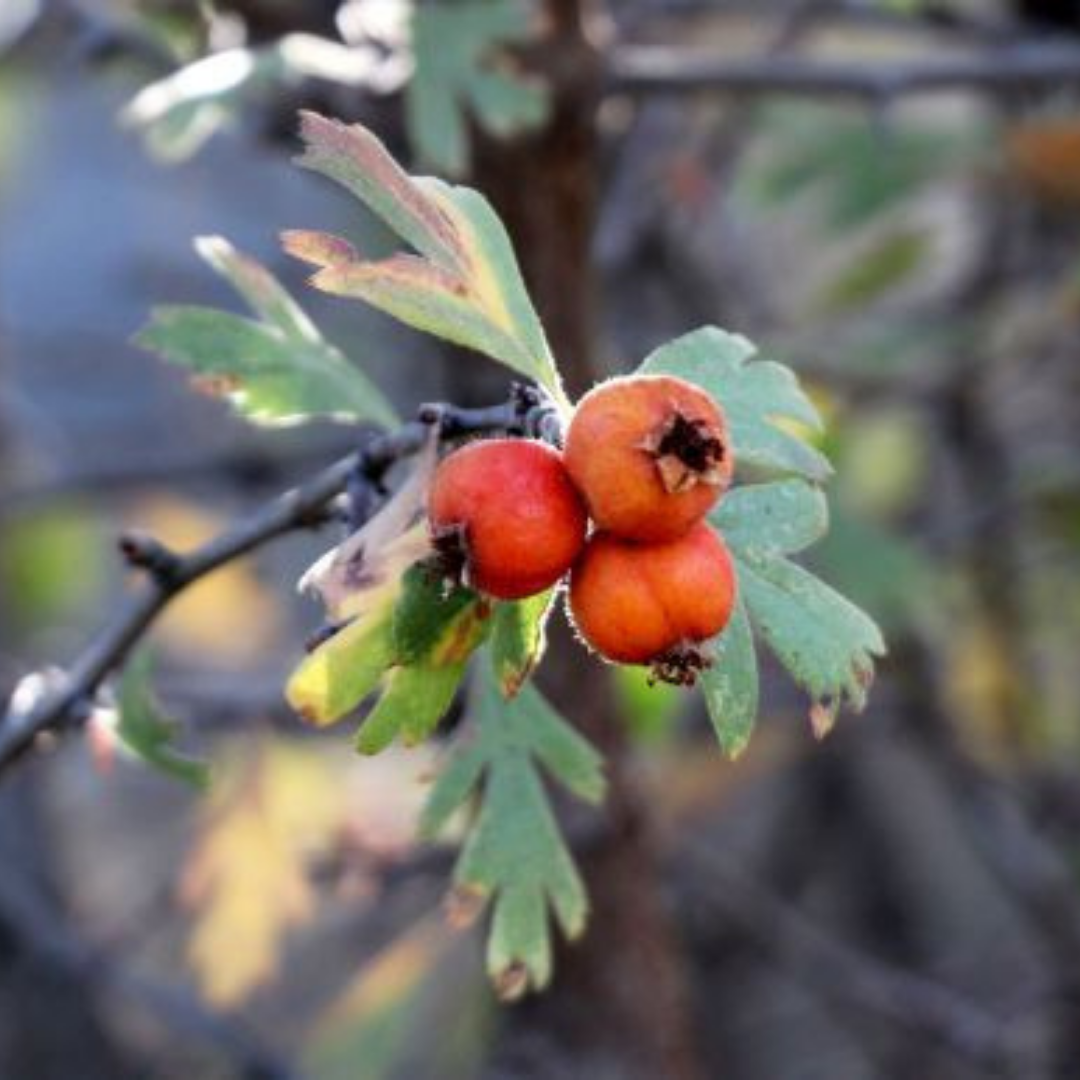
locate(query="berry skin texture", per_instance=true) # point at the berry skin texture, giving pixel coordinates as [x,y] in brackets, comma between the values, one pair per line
[505,517]
[650,453]
[654,603]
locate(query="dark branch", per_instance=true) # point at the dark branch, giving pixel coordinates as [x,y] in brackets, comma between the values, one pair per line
[66,698]
[665,69]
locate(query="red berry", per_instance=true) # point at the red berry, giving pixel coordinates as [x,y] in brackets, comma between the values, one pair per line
[505,516]
[651,455]
[654,603]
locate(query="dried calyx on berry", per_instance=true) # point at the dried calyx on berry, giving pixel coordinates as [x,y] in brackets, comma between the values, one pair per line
[655,604]
[651,455]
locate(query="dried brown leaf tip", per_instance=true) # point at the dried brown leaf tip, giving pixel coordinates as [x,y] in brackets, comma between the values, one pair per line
[464,905]
[512,982]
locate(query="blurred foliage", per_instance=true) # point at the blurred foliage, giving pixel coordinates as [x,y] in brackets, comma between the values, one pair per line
[51,566]
[419,1004]
[454,79]
[245,879]
[230,619]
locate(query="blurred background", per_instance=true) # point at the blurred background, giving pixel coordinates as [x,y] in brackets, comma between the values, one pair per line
[884,194]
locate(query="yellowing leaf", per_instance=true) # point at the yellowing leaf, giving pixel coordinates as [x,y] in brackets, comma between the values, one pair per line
[333,679]
[463,284]
[245,877]
[228,617]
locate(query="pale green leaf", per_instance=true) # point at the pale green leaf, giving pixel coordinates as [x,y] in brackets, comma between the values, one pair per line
[779,518]
[331,681]
[754,394]
[276,369]
[514,852]
[413,701]
[730,685]
[463,285]
[826,643]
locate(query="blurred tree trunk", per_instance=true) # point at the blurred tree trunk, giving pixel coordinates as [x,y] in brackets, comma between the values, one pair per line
[618,1006]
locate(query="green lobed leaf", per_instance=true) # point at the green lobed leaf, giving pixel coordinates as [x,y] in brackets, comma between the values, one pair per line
[464,284]
[518,639]
[827,644]
[778,518]
[730,685]
[413,701]
[452,47]
[146,732]
[754,395]
[275,369]
[514,852]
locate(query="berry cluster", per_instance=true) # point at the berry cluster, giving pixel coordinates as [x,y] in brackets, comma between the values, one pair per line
[646,457]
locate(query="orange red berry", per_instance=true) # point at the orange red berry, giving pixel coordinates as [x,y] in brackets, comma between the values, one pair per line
[650,454]
[654,603]
[505,516]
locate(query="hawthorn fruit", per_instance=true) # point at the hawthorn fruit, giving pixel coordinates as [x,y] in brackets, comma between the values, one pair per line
[505,518]
[650,454]
[654,604]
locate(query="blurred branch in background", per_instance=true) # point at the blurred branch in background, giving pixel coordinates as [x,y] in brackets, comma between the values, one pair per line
[665,69]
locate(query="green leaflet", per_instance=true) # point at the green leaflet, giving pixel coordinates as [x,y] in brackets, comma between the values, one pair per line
[514,853]
[453,79]
[413,701]
[463,285]
[434,635]
[275,369]
[780,518]
[518,640]
[730,686]
[754,394]
[827,644]
[146,732]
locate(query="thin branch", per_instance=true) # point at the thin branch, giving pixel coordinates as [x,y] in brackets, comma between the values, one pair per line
[666,69]
[66,699]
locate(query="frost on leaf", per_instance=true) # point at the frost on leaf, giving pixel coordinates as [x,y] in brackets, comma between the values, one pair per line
[463,282]
[514,856]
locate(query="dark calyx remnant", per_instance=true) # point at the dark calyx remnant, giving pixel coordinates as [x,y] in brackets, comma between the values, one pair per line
[688,452]
[680,665]
[451,559]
